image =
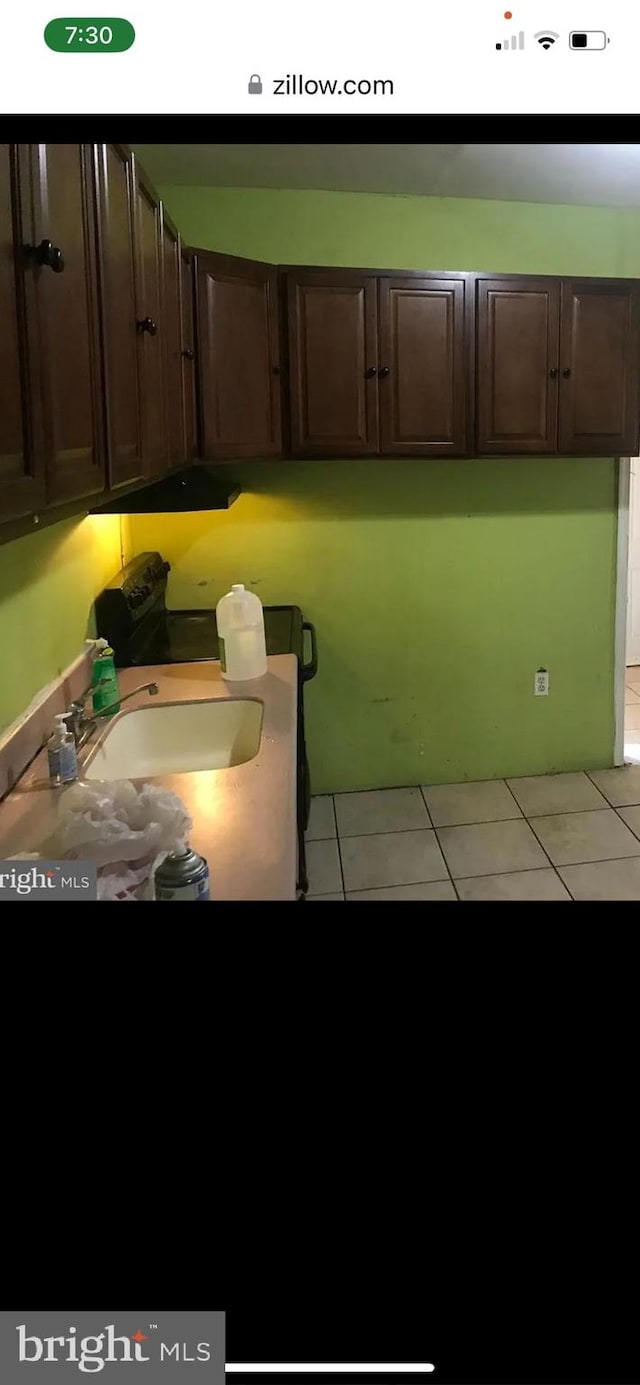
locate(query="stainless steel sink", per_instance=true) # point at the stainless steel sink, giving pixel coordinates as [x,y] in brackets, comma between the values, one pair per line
[177,737]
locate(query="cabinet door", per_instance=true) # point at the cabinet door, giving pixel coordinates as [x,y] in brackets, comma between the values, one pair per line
[188,358]
[149,325]
[421,370]
[64,201]
[239,358]
[600,368]
[333,363]
[171,328]
[22,473]
[517,365]
[116,228]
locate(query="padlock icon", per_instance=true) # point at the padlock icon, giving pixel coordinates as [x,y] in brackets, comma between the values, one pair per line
[255,85]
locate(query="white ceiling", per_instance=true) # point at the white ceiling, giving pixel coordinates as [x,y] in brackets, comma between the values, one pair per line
[600,174]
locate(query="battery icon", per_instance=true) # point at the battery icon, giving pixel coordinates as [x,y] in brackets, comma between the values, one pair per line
[588,39]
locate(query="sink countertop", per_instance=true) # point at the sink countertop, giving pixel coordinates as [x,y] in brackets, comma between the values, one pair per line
[244,818]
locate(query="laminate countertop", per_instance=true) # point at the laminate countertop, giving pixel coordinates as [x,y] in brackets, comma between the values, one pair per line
[244,817]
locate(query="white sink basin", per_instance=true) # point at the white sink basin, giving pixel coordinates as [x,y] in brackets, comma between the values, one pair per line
[178,737]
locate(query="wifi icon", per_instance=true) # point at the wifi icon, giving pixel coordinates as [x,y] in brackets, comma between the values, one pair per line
[546,38]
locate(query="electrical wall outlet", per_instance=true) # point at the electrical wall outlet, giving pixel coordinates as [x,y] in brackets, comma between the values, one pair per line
[541,682]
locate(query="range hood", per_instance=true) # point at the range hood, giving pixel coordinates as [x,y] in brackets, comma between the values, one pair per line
[197,487]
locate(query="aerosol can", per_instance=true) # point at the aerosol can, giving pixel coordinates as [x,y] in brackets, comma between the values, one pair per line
[182,875]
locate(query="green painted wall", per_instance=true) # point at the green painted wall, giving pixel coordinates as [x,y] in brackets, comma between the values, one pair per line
[437,587]
[47,584]
[408,232]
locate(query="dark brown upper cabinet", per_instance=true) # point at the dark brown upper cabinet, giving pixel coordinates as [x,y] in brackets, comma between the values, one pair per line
[117,245]
[64,257]
[333,362]
[517,365]
[122,354]
[377,364]
[22,472]
[558,366]
[599,363]
[422,363]
[188,353]
[151,368]
[172,341]
[239,360]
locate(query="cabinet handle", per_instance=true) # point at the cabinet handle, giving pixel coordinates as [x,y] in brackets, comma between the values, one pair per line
[554,372]
[382,374]
[276,370]
[370,373]
[47,255]
[566,374]
[147,324]
[188,353]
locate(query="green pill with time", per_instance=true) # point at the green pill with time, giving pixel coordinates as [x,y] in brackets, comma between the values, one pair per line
[89,35]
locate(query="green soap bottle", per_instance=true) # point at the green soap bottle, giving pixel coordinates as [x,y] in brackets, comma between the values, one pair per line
[104,679]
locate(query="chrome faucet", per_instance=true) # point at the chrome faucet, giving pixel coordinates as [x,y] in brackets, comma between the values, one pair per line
[82,726]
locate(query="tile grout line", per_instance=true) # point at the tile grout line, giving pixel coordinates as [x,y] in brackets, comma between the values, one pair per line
[627,824]
[446,863]
[335,822]
[590,772]
[478,822]
[510,790]
[563,812]
[551,863]
[566,865]
[521,870]
[455,887]
[397,831]
[521,814]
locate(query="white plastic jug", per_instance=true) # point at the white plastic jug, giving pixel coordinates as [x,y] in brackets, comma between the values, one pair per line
[240,620]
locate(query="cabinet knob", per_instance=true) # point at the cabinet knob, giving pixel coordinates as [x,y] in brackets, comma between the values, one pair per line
[382,374]
[566,374]
[147,324]
[276,370]
[370,373]
[188,353]
[47,255]
[554,372]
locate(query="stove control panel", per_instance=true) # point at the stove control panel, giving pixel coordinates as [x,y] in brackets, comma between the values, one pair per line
[132,595]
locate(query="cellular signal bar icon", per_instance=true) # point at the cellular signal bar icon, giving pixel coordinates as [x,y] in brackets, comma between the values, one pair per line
[516,41]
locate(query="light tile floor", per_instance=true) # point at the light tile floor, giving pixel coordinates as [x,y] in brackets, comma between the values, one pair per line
[556,836]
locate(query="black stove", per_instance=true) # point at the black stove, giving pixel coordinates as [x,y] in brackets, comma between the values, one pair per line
[131,613]
[178,638]
[181,637]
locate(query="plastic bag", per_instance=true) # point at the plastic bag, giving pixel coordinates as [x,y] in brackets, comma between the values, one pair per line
[115,821]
